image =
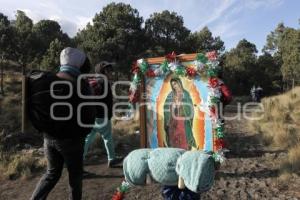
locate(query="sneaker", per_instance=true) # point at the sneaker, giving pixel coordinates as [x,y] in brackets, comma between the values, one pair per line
[115,161]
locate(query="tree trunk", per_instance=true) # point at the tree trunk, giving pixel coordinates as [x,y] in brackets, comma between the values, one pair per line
[24,94]
[2,77]
[2,80]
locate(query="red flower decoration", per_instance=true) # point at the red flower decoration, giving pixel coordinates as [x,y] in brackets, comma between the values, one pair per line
[213,82]
[190,71]
[117,196]
[135,68]
[133,96]
[171,57]
[150,73]
[212,55]
[212,111]
[220,143]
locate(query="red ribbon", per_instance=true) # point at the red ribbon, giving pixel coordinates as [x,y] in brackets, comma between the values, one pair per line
[133,96]
[171,57]
[134,68]
[212,55]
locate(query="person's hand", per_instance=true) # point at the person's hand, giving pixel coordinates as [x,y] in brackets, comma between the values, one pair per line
[217,166]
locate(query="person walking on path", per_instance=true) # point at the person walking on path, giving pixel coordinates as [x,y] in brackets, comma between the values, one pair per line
[64,139]
[103,117]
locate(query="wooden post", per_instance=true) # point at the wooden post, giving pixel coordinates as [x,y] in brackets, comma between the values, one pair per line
[24,92]
[181,58]
[143,138]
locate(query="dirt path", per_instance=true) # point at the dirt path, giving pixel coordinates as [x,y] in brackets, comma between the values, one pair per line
[251,172]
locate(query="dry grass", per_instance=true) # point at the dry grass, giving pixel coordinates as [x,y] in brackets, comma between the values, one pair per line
[20,164]
[15,164]
[294,158]
[126,131]
[10,104]
[12,83]
[280,126]
[124,127]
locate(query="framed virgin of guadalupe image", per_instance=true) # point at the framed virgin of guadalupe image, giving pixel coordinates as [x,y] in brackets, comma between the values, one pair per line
[176,102]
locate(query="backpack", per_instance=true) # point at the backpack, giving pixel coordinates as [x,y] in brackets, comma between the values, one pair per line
[59,121]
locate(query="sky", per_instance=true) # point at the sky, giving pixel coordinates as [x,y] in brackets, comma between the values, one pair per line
[232,20]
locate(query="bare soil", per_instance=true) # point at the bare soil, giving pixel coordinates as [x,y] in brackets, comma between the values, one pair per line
[250,172]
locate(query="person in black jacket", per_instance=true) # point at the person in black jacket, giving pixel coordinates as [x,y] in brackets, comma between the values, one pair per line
[66,146]
[103,117]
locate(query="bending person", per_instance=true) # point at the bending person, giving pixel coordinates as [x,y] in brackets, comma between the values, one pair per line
[98,84]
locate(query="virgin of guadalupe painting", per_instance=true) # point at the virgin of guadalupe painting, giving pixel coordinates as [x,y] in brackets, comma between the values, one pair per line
[178,117]
[173,117]
[179,99]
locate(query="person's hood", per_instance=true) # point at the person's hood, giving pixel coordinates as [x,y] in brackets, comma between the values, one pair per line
[72,57]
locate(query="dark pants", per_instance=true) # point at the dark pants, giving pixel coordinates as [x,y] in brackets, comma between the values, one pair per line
[174,193]
[58,152]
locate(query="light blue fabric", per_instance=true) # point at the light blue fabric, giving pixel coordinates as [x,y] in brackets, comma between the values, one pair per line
[74,71]
[197,170]
[135,166]
[162,164]
[202,86]
[166,164]
[157,85]
[105,132]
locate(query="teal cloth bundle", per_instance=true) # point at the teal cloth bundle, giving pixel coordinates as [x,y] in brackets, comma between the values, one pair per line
[135,166]
[162,164]
[165,165]
[197,170]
